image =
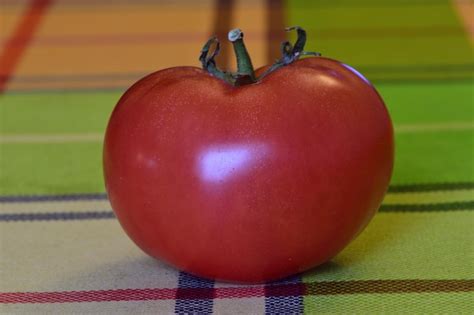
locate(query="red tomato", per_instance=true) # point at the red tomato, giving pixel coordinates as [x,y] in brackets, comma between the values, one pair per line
[250,183]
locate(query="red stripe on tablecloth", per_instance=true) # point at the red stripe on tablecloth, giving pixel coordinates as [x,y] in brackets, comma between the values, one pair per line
[127,295]
[88,296]
[132,295]
[16,45]
[277,290]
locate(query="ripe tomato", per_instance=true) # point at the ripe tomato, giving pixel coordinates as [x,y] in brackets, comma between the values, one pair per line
[248,183]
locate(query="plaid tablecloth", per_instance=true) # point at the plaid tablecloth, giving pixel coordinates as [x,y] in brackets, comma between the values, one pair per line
[65,63]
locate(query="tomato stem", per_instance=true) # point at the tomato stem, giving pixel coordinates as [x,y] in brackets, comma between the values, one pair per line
[245,72]
[209,63]
[289,52]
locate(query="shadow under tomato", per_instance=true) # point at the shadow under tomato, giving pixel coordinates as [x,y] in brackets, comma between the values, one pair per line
[129,272]
[378,245]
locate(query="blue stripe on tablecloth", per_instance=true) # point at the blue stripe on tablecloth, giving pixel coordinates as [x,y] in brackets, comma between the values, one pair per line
[66,197]
[90,215]
[56,216]
[284,301]
[423,187]
[192,301]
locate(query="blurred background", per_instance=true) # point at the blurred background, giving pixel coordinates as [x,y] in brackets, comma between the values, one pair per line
[65,63]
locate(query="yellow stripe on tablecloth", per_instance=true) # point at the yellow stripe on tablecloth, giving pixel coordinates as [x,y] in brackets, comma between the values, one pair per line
[128,18]
[38,256]
[110,83]
[433,127]
[54,206]
[52,138]
[115,308]
[465,10]
[129,39]
[10,16]
[123,39]
[76,255]
[107,59]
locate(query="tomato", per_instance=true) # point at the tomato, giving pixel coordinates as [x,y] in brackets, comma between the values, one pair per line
[250,182]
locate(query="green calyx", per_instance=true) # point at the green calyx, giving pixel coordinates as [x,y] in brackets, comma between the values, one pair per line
[245,72]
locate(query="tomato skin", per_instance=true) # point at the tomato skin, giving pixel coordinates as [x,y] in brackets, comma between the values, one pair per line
[251,183]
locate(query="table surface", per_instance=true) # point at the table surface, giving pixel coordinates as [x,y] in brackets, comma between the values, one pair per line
[65,63]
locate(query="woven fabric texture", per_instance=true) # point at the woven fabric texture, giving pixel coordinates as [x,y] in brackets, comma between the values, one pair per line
[65,63]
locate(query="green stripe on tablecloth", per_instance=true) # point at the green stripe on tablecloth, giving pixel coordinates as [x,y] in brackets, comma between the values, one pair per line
[434,157]
[368,35]
[428,103]
[51,168]
[412,303]
[402,246]
[372,17]
[56,112]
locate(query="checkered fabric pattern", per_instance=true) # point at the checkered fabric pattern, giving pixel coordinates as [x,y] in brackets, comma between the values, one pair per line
[65,63]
